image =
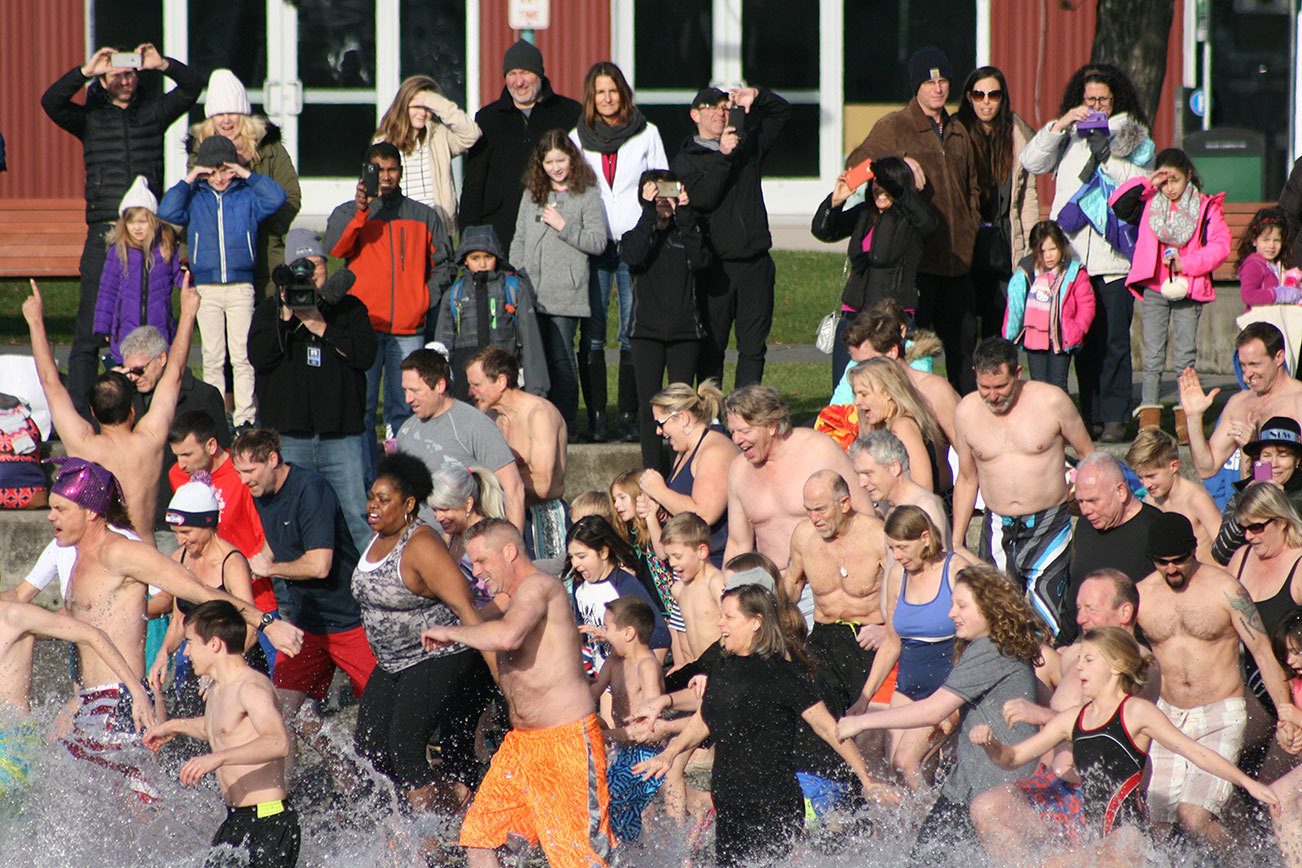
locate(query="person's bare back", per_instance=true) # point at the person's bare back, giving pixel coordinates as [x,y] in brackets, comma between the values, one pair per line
[535,431]
[698,599]
[845,573]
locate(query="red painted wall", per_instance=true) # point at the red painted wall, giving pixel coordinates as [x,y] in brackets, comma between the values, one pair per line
[579,36]
[39,41]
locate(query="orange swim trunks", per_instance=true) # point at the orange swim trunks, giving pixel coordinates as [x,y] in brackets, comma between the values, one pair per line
[548,787]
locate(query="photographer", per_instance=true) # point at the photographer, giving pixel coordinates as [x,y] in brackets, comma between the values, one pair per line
[311,344]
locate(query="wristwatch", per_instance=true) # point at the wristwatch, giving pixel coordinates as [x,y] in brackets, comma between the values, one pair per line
[267,618]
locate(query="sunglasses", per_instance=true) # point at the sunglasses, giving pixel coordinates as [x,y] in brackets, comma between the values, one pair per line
[1171,562]
[983,95]
[134,372]
[1257,526]
[660,423]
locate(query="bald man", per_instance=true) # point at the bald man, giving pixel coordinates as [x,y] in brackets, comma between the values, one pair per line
[840,553]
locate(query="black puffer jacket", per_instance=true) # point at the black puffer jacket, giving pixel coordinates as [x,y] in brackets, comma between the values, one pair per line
[119,143]
[725,190]
[495,165]
[664,263]
[890,267]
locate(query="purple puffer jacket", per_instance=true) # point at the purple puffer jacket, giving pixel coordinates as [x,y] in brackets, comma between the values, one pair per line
[128,298]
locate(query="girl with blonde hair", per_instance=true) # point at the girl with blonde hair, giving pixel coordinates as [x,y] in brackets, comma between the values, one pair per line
[886,400]
[428,129]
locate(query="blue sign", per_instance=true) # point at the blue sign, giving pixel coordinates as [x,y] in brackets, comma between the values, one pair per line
[1198,102]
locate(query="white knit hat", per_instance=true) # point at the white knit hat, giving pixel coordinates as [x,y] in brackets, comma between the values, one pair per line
[226,95]
[139,196]
[193,505]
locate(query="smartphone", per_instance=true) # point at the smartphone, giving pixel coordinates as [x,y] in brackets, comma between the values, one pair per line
[669,189]
[371,179]
[737,119]
[859,175]
[125,59]
[1261,471]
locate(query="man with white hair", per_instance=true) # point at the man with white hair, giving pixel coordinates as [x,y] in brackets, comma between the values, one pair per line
[882,463]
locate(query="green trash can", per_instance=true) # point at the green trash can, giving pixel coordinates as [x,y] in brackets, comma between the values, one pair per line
[1229,160]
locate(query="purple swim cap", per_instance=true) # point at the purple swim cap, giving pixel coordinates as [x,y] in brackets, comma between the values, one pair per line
[87,484]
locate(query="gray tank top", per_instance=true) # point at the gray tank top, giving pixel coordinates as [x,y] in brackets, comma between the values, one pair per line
[393,616]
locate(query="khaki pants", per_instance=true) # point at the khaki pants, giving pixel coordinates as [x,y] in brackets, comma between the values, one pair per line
[225,313]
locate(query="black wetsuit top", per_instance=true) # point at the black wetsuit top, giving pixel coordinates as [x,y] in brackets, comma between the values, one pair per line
[1111,769]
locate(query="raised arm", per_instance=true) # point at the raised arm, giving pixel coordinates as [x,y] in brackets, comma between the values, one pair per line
[159,416]
[1208,454]
[72,429]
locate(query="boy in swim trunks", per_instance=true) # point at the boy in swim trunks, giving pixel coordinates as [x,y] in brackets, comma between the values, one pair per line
[249,740]
[633,676]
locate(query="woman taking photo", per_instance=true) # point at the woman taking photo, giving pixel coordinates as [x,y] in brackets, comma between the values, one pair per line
[1100,141]
[755,705]
[886,400]
[999,641]
[428,129]
[619,144]
[886,233]
[406,582]
[1009,203]
[698,481]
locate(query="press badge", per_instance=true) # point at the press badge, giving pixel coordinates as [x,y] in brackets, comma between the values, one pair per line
[314,357]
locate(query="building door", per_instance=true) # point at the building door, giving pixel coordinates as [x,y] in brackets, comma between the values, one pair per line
[671,48]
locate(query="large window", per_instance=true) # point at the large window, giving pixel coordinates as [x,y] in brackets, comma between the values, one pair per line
[881,35]
[674,44]
[434,44]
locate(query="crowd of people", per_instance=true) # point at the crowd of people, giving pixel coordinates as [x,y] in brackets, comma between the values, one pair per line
[763,627]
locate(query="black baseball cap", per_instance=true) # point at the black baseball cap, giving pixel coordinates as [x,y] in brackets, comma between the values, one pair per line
[709,96]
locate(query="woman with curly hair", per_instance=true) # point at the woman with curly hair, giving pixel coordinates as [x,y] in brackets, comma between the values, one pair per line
[1100,141]
[998,644]
[560,225]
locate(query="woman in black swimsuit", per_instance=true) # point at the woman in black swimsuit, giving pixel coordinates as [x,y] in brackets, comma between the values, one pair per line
[1110,735]
[687,419]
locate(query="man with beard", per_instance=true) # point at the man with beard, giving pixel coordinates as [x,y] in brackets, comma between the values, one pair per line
[840,554]
[1011,438]
[1194,615]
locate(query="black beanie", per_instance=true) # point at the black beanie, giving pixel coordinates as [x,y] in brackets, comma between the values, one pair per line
[523,55]
[1171,536]
[925,62]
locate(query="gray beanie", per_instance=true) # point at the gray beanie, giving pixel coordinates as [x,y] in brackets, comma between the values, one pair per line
[523,55]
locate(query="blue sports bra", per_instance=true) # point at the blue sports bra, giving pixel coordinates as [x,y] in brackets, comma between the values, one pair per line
[926,622]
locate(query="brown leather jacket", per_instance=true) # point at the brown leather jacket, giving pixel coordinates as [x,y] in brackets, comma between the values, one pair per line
[952,185]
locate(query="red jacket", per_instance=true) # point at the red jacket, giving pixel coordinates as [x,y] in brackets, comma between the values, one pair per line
[401,254]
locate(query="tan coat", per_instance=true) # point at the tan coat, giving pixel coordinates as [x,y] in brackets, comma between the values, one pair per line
[952,185]
[1024,212]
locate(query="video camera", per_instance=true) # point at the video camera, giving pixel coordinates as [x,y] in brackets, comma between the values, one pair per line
[295,279]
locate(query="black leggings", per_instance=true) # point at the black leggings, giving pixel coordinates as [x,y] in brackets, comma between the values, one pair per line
[400,712]
[651,360]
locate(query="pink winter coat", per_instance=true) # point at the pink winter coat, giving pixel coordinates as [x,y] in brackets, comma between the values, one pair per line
[1199,257]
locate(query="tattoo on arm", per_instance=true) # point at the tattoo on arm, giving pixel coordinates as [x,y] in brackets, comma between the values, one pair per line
[1246,609]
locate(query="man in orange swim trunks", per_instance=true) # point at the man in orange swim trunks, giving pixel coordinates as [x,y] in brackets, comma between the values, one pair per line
[547,782]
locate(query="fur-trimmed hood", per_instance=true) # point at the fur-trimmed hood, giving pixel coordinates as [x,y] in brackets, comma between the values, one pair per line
[272,136]
[1127,134]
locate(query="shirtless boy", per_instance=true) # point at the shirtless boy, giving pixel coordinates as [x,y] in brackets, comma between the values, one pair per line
[633,675]
[841,554]
[1194,615]
[698,584]
[130,448]
[1012,439]
[536,433]
[1271,392]
[555,734]
[249,741]
[1156,459]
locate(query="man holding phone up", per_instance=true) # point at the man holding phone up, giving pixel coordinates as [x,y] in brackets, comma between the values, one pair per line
[401,254]
[720,167]
[121,131]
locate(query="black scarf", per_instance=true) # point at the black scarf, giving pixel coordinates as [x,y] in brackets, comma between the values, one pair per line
[1100,150]
[607,139]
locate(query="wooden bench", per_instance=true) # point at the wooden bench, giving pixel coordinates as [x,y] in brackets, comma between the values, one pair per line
[41,237]
[1237,215]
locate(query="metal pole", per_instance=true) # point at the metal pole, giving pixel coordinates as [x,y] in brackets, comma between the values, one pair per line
[527,36]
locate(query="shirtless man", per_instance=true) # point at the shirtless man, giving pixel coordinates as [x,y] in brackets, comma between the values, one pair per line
[1011,816]
[1155,459]
[1011,441]
[1194,615]
[107,591]
[555,734]
[882,463]
[763,506]
[249,741]
[536,433]
[840,553]
[1271,392]
[131,449]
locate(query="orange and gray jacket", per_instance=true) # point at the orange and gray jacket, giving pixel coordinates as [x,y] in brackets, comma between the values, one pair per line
[402,256]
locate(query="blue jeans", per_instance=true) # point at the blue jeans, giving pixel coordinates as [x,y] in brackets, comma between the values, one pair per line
[558,345]
[390,352]
[339,459]
[609,265]
[1047,366]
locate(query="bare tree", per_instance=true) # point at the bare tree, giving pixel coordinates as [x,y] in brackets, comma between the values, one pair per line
[1133,35]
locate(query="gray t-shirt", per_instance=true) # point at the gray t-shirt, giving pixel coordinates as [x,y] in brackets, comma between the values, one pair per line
[985,680]
[461,437]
